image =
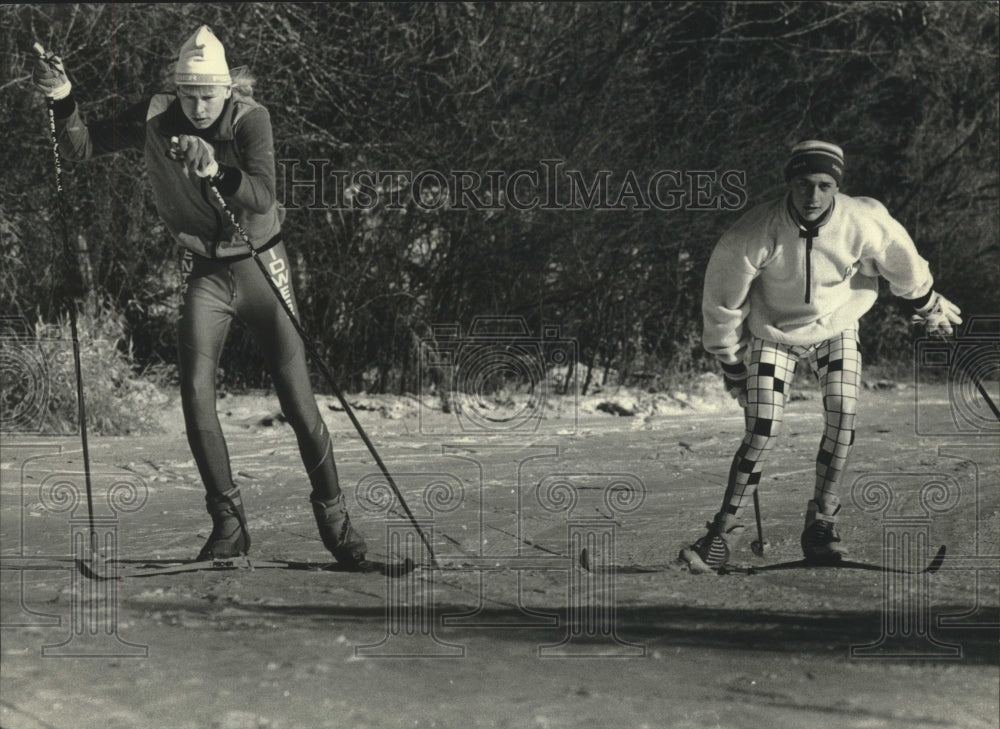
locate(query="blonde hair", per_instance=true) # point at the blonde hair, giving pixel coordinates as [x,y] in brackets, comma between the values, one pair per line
[243,82]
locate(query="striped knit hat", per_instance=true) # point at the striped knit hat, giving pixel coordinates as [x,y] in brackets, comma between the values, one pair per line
[202,61]
[815,156]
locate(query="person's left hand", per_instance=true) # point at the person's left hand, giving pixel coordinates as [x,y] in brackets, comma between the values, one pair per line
[938,315]
[735,379]
[195,153]
[49,75]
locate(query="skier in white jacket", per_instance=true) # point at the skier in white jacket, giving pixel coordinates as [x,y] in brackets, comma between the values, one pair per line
[789,281]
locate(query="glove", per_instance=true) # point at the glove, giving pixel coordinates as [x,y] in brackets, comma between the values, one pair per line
[938,315]
[196,154]
[735,379]
[49,76]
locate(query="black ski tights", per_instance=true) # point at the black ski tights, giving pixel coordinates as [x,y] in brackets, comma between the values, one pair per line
[215,293]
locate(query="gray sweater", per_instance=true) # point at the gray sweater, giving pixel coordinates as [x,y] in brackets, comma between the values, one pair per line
[768,278]
[244,148]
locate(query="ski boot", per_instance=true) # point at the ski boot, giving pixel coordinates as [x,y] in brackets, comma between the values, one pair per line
[338,535]
[230,536]
[712,551]
[820,540]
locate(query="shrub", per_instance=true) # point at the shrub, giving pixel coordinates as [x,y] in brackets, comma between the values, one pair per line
[39,385]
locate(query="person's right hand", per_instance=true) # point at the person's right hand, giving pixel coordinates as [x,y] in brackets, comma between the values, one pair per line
[49,75]
[195,153]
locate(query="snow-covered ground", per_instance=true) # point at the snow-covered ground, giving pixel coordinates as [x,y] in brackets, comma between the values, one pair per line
[513,633]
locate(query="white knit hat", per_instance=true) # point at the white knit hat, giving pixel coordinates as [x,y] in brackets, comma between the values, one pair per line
[202,61]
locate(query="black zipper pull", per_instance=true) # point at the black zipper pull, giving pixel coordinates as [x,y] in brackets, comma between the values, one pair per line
[809,247]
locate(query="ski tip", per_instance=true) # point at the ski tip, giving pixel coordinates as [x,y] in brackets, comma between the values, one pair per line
[389,569]
[938,560]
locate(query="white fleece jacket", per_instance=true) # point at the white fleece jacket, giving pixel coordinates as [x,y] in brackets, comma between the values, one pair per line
[766,279]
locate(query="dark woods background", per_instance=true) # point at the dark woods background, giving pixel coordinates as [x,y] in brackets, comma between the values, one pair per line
[908,89]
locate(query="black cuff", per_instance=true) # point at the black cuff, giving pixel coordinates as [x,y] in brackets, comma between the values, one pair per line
[227,180]
[739,369]
[921,302]
[63,108]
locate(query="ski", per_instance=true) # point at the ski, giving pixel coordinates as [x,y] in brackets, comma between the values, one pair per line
[588,564]
[153,568]
[933,566]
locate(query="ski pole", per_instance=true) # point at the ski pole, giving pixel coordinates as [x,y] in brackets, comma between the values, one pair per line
[758,547]
[953,344]
[73,324]
[967,370]
[314,353]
